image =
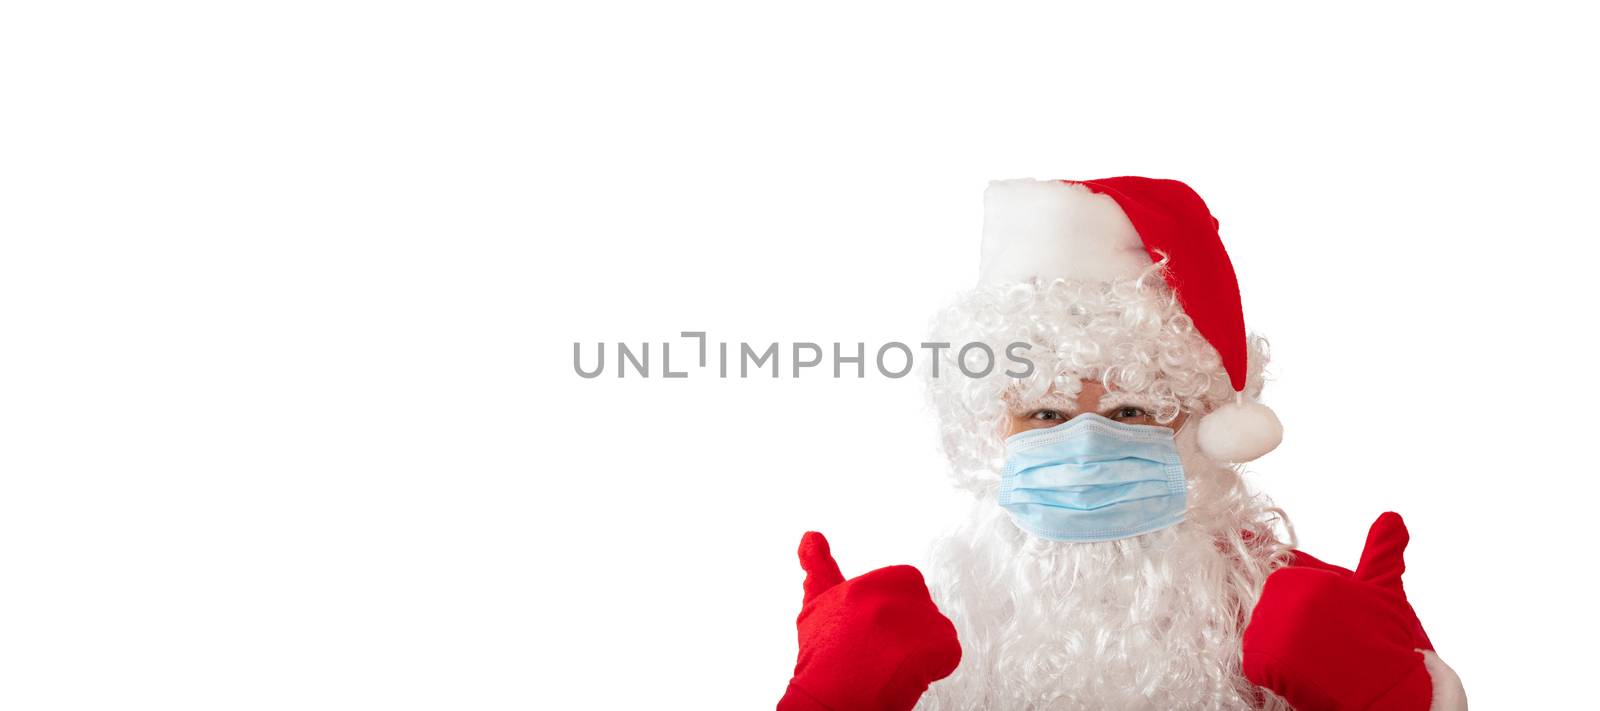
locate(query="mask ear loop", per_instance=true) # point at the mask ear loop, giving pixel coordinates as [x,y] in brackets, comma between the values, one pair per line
[1187,418]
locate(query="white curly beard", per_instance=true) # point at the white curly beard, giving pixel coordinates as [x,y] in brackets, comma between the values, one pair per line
[1151,622]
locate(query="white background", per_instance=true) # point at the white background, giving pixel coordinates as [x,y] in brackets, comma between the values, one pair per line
[288,293]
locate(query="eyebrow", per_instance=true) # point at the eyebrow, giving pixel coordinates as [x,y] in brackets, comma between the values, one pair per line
[1057,401]
[1051,400]
[1120,399]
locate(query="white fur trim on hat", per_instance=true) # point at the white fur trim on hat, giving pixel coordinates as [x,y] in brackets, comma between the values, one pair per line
[1049,229]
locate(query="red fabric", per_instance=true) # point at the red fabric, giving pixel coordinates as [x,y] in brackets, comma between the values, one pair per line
[871,643]
[1326,638]
[1172,219]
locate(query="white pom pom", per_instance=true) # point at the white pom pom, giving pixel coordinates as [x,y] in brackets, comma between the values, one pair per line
[1239,431]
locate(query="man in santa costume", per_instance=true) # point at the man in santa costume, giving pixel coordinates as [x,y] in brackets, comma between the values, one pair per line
[1114,558]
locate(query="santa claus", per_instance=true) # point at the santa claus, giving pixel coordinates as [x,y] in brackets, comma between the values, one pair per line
[1115,558]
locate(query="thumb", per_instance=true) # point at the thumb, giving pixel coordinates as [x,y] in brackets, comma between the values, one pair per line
[815,558]
[1383,560]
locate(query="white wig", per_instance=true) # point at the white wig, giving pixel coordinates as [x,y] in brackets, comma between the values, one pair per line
[1131,335]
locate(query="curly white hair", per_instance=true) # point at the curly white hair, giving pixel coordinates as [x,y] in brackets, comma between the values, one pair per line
[1131,335]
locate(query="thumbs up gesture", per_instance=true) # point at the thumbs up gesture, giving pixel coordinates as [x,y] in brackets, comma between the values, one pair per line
[1326,641]
[874,642]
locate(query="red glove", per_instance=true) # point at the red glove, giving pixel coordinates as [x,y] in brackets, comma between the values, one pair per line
[1327,641]
[871,643]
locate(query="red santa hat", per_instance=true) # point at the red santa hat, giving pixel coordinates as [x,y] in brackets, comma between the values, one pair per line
[1103,230]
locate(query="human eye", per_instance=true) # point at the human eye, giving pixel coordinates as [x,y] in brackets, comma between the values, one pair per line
[1128,412]
[1047,415]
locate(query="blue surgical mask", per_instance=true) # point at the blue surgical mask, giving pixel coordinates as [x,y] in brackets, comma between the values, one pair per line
[1093,479]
